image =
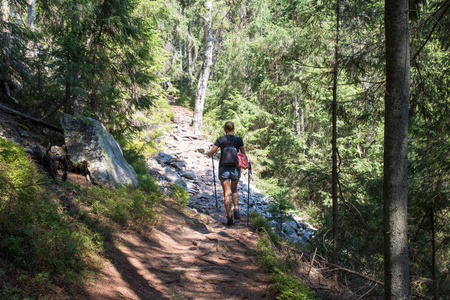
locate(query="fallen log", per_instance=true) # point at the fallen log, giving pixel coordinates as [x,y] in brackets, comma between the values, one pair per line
[30,118]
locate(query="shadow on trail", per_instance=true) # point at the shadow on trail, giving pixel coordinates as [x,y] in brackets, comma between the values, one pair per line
[139,285]
[187,256]
[190,254]
[136,282]
[191,263]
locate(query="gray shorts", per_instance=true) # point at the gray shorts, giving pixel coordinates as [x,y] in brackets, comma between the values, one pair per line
[227,173]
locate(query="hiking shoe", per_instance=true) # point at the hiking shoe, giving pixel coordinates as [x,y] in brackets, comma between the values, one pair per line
[237,214]
[230,221]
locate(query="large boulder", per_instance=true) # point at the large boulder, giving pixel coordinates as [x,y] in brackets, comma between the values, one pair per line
[89,144]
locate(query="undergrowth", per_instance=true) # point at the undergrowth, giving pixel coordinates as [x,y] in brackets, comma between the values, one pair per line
[51,234]
[279,262]
[180,195]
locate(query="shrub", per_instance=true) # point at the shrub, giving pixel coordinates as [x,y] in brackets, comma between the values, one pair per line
[36,239]
[134,207]
[279,263]
[180,195]
[48,239]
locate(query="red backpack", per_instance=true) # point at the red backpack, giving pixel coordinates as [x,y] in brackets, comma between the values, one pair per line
[242,161]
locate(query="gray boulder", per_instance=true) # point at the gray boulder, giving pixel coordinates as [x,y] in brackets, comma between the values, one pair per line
[173,176]
[188,175]
[89,144]
[163,158]
[177,164]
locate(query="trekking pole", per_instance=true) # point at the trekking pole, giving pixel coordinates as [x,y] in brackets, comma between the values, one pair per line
[248,192]
[214,177]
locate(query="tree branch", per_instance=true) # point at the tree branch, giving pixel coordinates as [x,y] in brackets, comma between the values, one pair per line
[30,118]
[432,29]
[53,111]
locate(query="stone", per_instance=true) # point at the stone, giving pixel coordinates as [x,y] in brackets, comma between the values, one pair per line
[293,224]
[189,137]
[173,176]
[204,148]
[192,187]
[89,144]
[188,175]
[177,164]
[171,144]
[182,119]
[307,234]
[57,151]
[163,158]
[176,138]
[190,162]
[152,162]
[289,229]
[23,133]
[34,150]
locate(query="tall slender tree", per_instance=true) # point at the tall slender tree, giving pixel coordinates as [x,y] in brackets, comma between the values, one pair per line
[334,173]
[31,13]
[205,71]
[395,189]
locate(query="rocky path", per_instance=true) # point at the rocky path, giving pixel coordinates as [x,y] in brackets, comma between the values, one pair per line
[190,254]
[185,162]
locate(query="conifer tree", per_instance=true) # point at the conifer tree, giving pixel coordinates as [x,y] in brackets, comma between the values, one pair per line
[395,151]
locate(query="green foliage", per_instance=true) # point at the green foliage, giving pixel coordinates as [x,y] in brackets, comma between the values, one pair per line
[99,59]
[141,141]
[272,76]
[281,266]
[135,208]
[50,239]
[36,238]
[260,222]
[291,287]
[273,79]
[180,194]
[279,206]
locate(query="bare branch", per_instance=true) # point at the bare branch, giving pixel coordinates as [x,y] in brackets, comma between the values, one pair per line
[30,118]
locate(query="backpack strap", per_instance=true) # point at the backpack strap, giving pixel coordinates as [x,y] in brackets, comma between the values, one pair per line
[229,142]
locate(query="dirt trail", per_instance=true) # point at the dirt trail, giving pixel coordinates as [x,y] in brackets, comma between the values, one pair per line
[189,255]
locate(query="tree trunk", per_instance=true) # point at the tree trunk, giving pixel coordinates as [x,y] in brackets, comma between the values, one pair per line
[5,10]
[31,14]
[205,71]
[189,57]
[302,122]
[433,254]
[297,125]
[334,173]
[30,118]
[180,50]
[396,266]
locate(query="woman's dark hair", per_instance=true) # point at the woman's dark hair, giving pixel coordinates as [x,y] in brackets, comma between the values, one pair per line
[229,126]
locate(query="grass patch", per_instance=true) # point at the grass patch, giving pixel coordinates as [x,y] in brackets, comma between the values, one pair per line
[279,262]
[51,235]
[40,246]
[133,208]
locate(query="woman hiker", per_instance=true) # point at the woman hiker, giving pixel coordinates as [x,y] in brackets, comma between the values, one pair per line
[229,173]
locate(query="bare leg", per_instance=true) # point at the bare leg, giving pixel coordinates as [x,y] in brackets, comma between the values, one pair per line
[234,193]
[227,194]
